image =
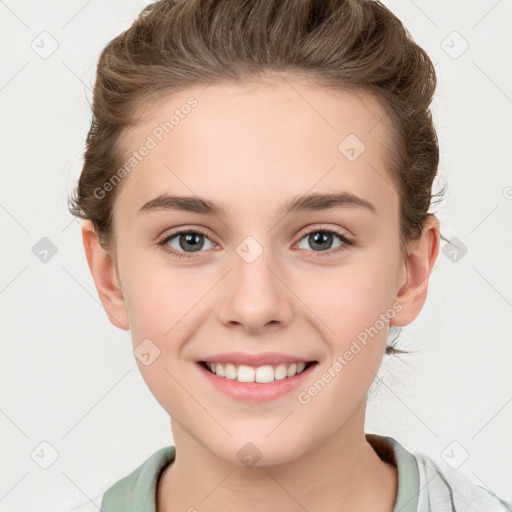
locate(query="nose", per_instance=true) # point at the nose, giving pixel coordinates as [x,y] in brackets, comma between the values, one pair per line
[255,294]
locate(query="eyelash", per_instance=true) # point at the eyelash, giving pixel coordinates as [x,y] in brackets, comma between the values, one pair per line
[162,242]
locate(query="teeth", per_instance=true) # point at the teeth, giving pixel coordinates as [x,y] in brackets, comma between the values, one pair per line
[261,374]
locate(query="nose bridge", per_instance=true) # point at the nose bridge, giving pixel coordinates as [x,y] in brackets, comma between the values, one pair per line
[256,294]
[254,271]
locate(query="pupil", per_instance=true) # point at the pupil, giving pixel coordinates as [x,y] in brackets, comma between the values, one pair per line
[193,239]
[319,238]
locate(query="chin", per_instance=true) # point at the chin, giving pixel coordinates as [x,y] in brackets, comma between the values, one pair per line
[258,453]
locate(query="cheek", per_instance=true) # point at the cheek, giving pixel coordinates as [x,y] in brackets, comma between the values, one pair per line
[157,299]
[349,298]
[351,305]
[149,311]
[158,319]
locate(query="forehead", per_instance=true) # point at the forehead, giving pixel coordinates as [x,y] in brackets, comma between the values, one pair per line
[241,143]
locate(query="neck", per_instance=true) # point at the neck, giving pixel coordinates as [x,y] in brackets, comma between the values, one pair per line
[343,470]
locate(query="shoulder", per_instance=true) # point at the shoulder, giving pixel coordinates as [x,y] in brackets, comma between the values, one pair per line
[134,492]
[137,491]
[446,489]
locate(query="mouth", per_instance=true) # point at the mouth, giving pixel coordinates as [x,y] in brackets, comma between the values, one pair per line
[257,385]
[261,374]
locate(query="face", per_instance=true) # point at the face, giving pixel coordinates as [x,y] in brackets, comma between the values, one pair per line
[316,284]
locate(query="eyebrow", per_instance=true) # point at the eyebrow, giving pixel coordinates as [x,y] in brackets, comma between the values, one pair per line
[300,203]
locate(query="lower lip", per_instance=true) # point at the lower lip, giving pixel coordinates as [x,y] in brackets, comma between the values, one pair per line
[255,391]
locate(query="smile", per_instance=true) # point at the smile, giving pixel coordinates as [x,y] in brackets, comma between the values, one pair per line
[261,374]
[252,391]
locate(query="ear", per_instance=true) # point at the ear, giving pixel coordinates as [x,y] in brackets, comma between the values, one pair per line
[418,264]
[105,277]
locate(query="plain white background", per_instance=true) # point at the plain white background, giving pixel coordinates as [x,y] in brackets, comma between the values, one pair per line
[69,378]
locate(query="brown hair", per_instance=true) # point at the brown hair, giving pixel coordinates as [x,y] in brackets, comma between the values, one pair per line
[341,44]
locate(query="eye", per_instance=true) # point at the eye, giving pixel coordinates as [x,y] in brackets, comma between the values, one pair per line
[189,241]
[185,240]
[322,238]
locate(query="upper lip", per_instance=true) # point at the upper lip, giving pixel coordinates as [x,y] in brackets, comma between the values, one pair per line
[266,358]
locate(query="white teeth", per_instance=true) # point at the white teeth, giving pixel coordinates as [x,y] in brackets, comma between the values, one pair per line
[265,374]
[245,373]
[261,374]
[230,371]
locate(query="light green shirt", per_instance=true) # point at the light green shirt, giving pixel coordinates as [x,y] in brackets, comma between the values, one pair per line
[424,485]
[136,492]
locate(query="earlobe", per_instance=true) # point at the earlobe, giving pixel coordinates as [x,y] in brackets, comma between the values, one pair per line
[418,265]
[105,277]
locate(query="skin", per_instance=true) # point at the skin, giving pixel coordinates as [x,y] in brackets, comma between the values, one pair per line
[251,147]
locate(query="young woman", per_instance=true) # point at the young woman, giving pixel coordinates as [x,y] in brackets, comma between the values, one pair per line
[255,195]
